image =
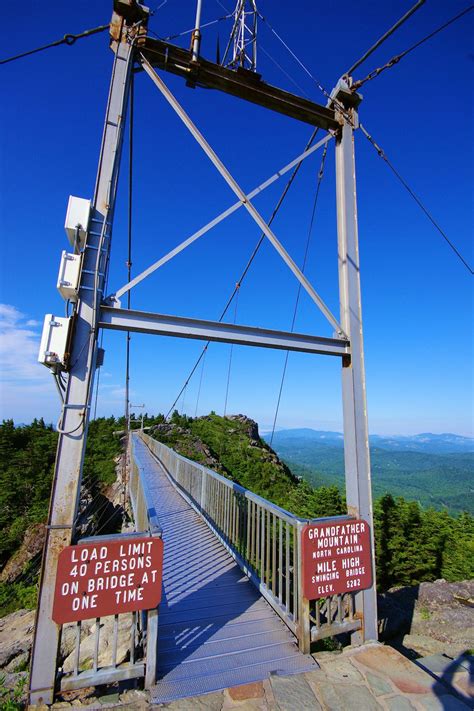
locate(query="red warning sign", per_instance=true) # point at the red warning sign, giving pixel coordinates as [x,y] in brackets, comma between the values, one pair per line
[107,578]
[336,558]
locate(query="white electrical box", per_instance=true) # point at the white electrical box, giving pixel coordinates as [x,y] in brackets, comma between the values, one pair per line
[77,221]
[54,345]
[69,275]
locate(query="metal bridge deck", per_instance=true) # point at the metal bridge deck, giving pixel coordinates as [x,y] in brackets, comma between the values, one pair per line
[215,630]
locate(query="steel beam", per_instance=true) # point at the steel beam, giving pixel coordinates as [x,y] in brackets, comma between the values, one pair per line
[242,83]
[163,325]
[234,186]
[356,433]
[76,409]
[219,218]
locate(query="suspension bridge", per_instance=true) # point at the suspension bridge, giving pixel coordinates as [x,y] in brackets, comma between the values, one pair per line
[235,605]
[233,609]
[215,628]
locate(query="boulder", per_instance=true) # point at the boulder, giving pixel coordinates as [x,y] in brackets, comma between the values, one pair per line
[30,548]
[68,636]
[429,618]
[106,636]
[16,635]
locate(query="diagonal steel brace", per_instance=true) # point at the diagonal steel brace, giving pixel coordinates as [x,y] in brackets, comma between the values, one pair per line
[215,221]
[174,103]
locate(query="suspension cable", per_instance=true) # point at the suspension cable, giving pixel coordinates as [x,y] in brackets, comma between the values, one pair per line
[247,267]
[443,234]
[288,76]
[158,7]
[200,381]
[68,39]
[236,301]
[193,370]
[385,36]
[129,248]
[298,294]
[394,60]
[295,57]
[177,35]
[314,79]
[331,99]
[183,400]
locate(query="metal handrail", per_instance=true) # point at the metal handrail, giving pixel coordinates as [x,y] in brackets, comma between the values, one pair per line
[264,539]
[143,511]
[145,519]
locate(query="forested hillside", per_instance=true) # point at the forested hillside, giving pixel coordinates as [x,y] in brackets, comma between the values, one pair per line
[232,446]
[418,468]
[27,455]
[413,544]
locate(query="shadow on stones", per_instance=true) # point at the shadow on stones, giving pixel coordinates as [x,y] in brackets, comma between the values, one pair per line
[395,617]
[396,610]
[444,687]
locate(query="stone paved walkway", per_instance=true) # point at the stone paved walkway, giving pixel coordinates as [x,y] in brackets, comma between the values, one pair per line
[369,678]
[373,678]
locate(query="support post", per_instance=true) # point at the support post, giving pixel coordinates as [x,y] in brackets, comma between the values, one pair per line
[151,648]
[196,38]
[304,625]
[356,434]
[76,409]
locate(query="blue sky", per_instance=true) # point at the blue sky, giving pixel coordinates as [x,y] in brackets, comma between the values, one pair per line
[417,296]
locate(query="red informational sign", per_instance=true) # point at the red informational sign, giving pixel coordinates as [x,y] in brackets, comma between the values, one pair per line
[108,578]
[336,558]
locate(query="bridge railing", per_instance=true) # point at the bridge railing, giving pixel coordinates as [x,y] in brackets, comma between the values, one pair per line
[130,639]
[264,539]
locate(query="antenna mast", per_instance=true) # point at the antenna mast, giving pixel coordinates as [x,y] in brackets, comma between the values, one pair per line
[241,50]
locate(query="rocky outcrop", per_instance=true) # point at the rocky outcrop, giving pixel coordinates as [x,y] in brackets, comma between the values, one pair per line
[106,635]
[102,510]
[16,633]
[103,513]
[251,427]
[190,446]
[429,618]
[30,549]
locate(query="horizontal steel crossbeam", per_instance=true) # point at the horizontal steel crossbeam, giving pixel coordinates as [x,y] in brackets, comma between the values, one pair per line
[241,83]
[181,327]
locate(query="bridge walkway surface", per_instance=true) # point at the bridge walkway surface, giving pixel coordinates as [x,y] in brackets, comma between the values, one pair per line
[215,629]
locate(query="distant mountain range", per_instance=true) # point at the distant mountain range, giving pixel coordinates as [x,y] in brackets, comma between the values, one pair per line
[426,442]
[436,470]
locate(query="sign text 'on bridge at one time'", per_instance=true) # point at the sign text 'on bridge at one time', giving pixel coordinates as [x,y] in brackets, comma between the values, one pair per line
[336,558]
[108,578]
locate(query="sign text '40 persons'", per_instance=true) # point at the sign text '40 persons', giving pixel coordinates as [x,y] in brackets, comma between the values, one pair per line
[108,578]
[336,558]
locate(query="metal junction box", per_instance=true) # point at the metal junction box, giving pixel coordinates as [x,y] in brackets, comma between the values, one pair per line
[54,347]
[77,221]
[69,275]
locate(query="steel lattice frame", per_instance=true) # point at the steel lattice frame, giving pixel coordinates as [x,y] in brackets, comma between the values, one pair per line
[94,312]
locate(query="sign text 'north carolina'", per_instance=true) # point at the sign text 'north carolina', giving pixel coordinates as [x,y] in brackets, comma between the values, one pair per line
[336,558]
